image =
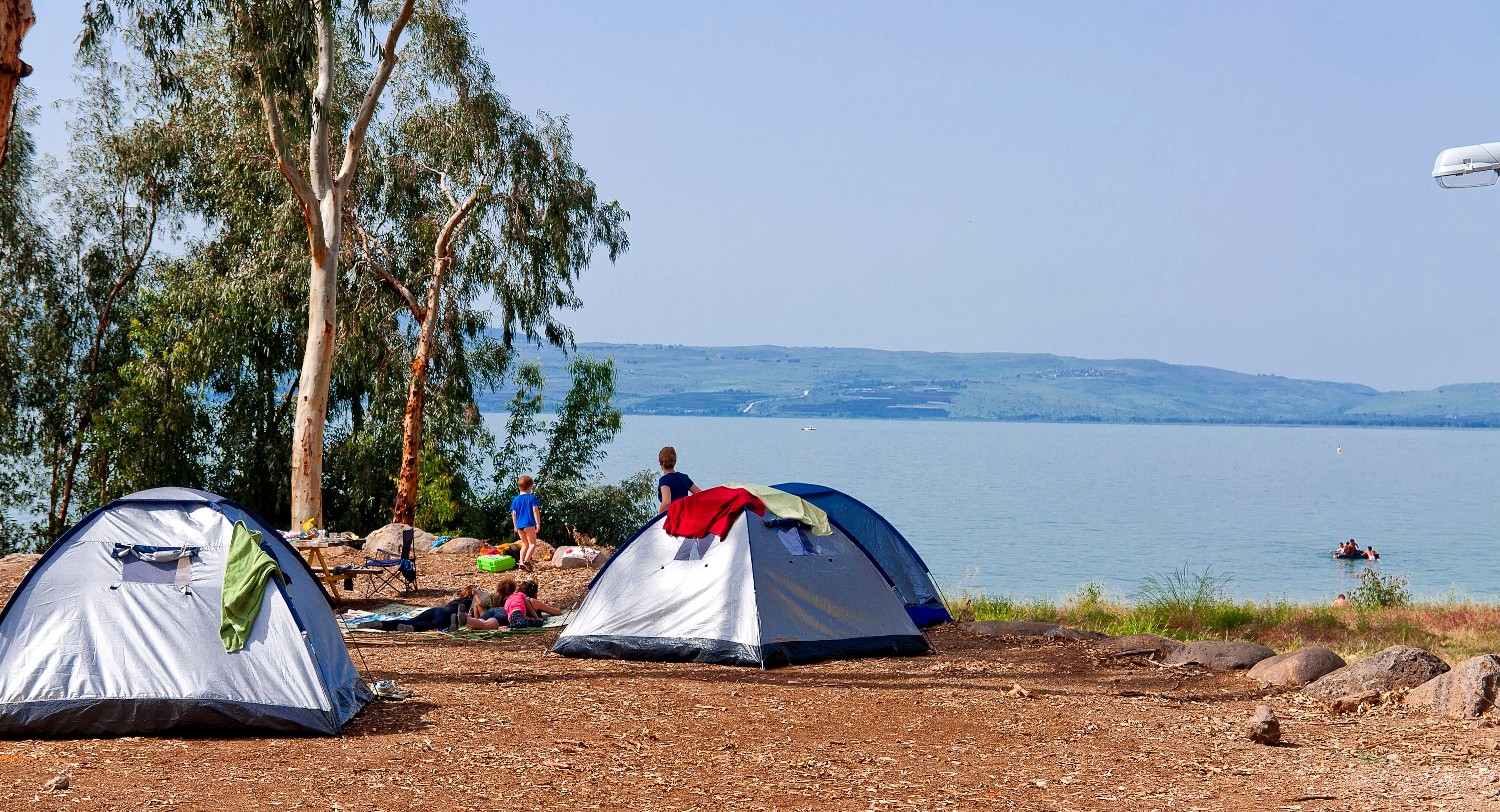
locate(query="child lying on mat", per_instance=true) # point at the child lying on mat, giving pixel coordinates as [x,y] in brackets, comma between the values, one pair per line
[469,601]
[521,609]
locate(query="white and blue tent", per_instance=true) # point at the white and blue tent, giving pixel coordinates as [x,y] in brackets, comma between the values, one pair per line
[767,594]
[116,631]
[895,555]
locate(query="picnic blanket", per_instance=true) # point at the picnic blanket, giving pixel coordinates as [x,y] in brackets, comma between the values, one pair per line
[402,611]
[390,611]
[487,634]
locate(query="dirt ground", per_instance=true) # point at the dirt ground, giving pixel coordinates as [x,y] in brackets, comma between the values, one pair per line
[505,725]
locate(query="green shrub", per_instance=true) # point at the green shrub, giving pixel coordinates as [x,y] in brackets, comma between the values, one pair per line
[1183,592]
[1227,616]
[1376,591]
[606,513]
[1322,617]
[1136,622]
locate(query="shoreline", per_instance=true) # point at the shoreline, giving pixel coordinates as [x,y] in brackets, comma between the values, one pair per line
[1455,629]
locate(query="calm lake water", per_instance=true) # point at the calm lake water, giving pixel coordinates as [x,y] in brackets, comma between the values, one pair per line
[1034,510]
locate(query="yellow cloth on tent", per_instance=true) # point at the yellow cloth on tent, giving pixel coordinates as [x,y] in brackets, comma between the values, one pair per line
[789,506]
[247,569]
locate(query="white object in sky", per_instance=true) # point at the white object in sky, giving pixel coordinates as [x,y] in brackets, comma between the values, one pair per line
[1466,167]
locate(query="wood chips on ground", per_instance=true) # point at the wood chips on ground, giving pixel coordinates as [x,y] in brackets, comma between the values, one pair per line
[985,723]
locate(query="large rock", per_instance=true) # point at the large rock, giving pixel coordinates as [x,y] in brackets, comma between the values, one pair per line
[388,538]
[1162,646]
[1388,670]
[1295,669]
[1218,655]
[1010,627]
[1466,692]
[463,545]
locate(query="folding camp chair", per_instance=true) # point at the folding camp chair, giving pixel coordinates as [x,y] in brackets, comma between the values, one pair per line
[380,574]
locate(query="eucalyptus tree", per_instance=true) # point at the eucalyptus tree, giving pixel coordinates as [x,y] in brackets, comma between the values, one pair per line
[26,257]
[73,284]
[118,200]
[16,18]
[292,57]
[473,201]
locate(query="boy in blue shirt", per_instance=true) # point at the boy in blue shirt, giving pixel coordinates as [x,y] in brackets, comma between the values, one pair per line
[526,517]
[672,485]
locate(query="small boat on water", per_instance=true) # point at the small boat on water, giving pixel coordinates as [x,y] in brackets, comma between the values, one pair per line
[809,428]
[1349,556]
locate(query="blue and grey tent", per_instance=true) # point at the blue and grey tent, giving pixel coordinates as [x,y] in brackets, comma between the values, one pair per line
[117,630]
[900,563]
[768,593]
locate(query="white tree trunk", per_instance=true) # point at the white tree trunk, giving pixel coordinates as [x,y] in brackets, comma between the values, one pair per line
[321,192]
[317,370]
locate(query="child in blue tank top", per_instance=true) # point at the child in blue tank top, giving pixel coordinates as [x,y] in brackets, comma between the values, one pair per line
[526,517]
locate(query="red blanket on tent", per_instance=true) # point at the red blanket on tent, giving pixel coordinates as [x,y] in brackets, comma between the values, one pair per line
[710,511]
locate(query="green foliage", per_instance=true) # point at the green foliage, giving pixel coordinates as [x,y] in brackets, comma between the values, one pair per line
[154,355]
[1228,616]
[1184,592]
[271,37]
[1458,628]
[585,424]
[603,514]
[1376,591]
[74,371]
[441,494]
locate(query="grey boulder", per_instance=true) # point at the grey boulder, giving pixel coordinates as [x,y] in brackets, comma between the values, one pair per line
[1162,646]
[1295,669]
[388,538]
[1220,656]
[1387,670]
[1466,692]
[463,545]
[1010,627]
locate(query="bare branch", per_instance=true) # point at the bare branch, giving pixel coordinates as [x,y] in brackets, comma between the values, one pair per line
[319,146]
[455,222]
[401,291]
[372,95]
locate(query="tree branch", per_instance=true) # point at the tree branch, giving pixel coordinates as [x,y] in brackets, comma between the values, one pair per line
[454,222]
[285,160]
[401,291]
[319,146]
[372,95]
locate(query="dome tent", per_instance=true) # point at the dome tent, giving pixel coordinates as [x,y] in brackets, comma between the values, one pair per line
[116,631]
[895,555]
[765,594]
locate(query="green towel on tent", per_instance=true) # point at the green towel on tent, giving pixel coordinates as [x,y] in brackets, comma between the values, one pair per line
[247,569]
[789,506]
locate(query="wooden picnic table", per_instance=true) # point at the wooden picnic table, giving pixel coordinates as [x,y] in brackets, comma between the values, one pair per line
[312,550]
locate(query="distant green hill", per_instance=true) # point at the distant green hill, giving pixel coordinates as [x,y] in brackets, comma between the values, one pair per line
[821,382]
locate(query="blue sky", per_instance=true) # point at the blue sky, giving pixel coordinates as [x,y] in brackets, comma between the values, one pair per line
[1239,185]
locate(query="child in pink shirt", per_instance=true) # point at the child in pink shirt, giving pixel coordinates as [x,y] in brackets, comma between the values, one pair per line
[523,610]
